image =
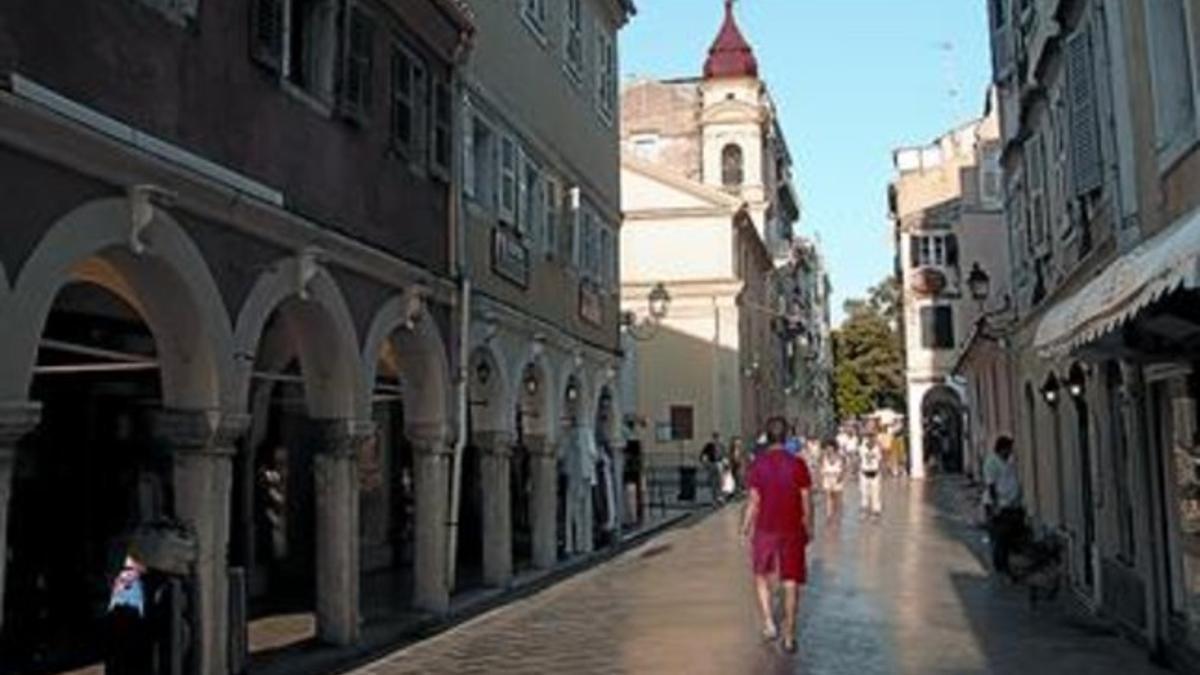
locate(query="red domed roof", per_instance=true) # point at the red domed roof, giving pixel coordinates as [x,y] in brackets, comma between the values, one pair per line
[730,54]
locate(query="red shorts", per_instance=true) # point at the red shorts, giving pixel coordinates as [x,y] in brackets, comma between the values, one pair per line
[782,553]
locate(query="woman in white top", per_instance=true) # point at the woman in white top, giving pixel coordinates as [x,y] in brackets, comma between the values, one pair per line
[833,479]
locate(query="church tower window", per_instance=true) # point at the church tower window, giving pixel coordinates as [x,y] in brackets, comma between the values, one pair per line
[732,172]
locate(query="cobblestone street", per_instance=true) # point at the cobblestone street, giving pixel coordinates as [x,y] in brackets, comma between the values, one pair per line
[903,596]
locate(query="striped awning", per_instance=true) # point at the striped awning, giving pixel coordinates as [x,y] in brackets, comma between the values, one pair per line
[1166,262]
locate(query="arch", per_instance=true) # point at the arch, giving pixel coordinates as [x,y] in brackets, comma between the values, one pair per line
[733,172]
[492,400]
[167,280]
[572,369]
[539,409]
[324,333]
[606,382]
[423,363]
[942,421]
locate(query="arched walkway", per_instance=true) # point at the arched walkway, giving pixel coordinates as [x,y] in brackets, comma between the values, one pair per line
[404,349]
[123,339]
[942,428]
[299,377]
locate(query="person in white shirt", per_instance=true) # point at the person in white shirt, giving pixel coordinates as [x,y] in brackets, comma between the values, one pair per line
[1002,500]
[870,463]
[833,478]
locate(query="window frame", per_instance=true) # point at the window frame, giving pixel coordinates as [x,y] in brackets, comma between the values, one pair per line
[929,329]
[606,75]
[440,130]
[536,17]
[416,101]
[690,416]
[508,179]
[551,214]
[1175,148]
[574,32]
[358,109]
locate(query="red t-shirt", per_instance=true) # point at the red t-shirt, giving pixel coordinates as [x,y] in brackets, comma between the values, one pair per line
[778,477]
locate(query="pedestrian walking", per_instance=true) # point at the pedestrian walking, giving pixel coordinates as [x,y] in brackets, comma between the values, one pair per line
[710,459]
[1002,502]
[737,464]
[870,464]
[778,523]
[833,479]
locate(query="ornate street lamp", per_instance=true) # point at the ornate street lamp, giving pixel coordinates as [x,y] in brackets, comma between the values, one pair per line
[1050,390]
[658,304]
[1076,383]
[980,284]
[530,382]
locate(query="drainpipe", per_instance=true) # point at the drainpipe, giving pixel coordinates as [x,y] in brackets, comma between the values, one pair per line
[459,262]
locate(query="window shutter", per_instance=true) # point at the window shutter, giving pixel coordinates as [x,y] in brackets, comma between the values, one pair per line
[944,319]
[1087,169]
[523,216]
[914,251]
[357,64]
[266,33]
[951,250]
[469,156]
[552,219]
[508,180]
[928,328]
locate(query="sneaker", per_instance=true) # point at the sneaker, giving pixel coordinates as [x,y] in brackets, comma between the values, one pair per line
[789,645]
[770,632]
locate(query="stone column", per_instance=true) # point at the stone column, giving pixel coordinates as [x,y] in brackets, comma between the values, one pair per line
[202,447]
[335,470]
[16,420]
[431,468]
[544,501]
[495,477]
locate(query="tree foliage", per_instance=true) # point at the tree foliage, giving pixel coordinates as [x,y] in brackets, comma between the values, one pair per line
[868,353]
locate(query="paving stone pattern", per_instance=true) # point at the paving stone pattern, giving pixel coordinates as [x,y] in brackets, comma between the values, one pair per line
[902,596]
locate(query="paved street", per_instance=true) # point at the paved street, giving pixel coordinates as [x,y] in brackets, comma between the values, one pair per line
[904,596]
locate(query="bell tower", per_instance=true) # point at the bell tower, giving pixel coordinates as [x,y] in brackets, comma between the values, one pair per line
[735,115]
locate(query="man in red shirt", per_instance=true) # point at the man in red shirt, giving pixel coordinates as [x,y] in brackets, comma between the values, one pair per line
[778,521]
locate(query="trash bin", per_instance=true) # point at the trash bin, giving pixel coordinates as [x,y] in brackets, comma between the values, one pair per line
[687,483]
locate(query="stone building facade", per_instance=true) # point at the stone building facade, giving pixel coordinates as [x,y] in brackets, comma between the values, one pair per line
[1099,124]
[256,326]
[945,203]
[709,211]
[541,215]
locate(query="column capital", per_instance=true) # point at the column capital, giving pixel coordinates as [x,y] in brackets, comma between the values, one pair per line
[429,438]
[17,418]
[343,437]
[199,431]
[497,443]
[541,445]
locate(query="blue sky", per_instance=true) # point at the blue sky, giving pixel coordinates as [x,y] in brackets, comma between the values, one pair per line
[853,79]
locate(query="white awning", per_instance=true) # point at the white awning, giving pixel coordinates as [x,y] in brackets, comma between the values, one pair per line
[1168,261]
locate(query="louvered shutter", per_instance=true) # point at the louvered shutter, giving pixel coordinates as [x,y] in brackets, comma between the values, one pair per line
[266,34]
[469,152]
[951,250]
[357,62]
[1087,171]
[928,328]
[914,251]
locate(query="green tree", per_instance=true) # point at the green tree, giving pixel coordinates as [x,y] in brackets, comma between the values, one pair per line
[868,355]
